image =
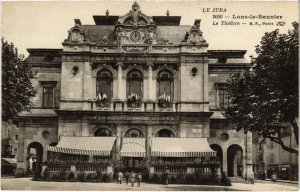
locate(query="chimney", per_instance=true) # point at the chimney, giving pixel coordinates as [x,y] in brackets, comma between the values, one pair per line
[77,21]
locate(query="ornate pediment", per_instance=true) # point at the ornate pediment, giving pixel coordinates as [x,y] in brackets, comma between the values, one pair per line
[135,17]
[194,35]
[76,35]
[135,28]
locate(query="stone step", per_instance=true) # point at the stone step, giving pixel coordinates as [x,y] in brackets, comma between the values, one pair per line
[237,180]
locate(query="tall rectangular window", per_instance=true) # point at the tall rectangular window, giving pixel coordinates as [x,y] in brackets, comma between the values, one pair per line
[48,94]
[223,98]
[222,95]
[48,97]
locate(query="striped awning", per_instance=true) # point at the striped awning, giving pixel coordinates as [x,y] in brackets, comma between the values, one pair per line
[96,146]
[133,147]
[180,147]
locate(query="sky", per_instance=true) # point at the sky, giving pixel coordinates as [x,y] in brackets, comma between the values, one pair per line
[45,24]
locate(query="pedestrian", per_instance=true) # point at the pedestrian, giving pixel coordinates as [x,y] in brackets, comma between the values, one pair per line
[30,165]
[120,177]
[167,176]
[126,177]
[139,179]
[132,178]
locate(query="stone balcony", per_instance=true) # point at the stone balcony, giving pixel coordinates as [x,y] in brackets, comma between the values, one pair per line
[142,106]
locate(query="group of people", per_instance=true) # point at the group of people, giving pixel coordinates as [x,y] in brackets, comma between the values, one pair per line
[130,177]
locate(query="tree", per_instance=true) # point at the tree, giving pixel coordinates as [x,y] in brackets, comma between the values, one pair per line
[5,147]
[265,98]
[16,82]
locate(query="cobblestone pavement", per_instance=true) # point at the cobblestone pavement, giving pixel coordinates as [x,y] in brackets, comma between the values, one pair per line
[10,183]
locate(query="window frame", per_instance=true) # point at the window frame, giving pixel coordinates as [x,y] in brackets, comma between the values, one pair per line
[141,134]
[109,79]
[160,79]
[105,129]
[221,88]
[47,85]
[130,79]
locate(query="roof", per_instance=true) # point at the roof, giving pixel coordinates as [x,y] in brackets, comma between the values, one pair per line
[133,147]
[105,20]
[167,20]
[99,146]
[227,53]
[180,147]
[40,56]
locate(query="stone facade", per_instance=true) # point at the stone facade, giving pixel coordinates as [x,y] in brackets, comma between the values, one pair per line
[148,46]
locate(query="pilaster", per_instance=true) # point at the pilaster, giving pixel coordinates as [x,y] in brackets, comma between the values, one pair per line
[249,175]
[119,80]
[84,127]
[225,169]
[119,88]
[118,141]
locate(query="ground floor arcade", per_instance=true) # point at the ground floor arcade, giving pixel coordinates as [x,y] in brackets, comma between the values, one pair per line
[138,142]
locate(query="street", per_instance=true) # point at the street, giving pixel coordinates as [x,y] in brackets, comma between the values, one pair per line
[11,183]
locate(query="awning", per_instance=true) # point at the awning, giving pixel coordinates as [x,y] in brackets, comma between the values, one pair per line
[180,147]
[96,146]
[9,161]
[133,147]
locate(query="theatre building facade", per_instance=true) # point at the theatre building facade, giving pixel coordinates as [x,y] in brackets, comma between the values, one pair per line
[133,92]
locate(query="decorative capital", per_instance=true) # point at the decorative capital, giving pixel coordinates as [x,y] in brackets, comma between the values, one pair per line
[119,64]
[150,63]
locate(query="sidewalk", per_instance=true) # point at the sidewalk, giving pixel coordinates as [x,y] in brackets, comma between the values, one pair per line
[277,181]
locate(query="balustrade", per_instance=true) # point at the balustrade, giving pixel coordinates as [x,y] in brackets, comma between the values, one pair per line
[59,168]
[77,168]
[140,106]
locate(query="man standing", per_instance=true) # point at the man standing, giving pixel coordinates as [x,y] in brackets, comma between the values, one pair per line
[31,169]
[132,178]
[126,177]
[167,176]
[120,177]
[139,179]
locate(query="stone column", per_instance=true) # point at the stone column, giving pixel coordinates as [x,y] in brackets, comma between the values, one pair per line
[249,175]
[150,81]
[150,87]
[118,142]
[85,127]
[224,163]
[119,81]
[148,143]
[21,169]
[120,88]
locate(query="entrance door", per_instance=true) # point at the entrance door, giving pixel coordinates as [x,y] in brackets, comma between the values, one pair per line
[235,160]
[35,157]
[136,164]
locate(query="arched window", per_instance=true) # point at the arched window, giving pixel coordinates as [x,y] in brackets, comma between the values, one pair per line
[135,84]
[164,133]
[165,84]
[103,133]
[104,85]
[134,133]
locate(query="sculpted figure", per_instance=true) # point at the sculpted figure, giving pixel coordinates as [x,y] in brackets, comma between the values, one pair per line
[135,12]
[120,37]
[186,37]
[150,38]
